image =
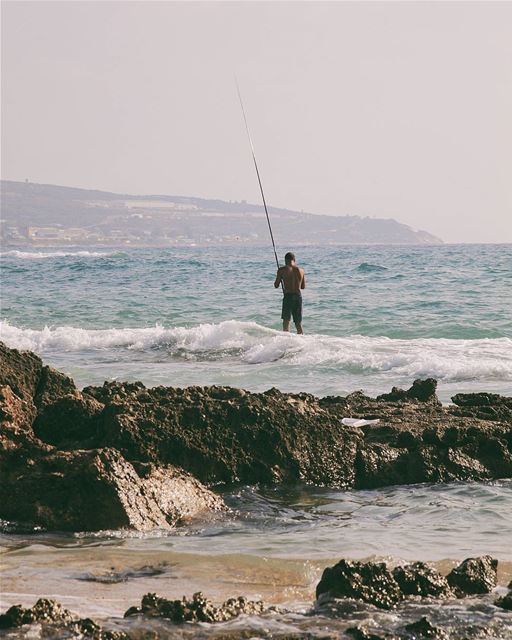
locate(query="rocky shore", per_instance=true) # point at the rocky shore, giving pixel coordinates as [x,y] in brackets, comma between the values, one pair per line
[123,455]
[367,583]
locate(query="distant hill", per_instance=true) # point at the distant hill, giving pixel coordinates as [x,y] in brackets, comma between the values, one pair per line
[49,214]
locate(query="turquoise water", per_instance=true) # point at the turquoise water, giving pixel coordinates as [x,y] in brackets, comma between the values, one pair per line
[374,316]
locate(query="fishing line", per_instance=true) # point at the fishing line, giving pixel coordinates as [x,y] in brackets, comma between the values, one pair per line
[257,174]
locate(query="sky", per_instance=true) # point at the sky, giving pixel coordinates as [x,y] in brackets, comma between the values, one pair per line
[381,109]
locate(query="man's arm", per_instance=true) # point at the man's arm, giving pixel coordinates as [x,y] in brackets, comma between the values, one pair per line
[278,279]
[303,282]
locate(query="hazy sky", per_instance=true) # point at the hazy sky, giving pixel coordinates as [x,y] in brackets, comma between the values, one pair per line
[385,109]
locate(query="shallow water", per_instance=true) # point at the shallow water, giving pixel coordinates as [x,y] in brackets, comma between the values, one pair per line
[273,545]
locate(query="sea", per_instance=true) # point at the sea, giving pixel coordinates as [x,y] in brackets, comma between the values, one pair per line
[374,317]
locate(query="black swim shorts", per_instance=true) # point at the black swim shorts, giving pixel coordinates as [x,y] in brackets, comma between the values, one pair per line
[292,306]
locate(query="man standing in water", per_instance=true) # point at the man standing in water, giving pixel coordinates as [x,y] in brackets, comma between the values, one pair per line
[293,279]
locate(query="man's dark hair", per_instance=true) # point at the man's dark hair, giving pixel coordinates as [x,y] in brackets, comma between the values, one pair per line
[289,257]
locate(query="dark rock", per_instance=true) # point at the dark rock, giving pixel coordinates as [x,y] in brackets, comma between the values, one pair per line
[423,628]
[367,581]
[360,633]
[223,435]
[505,602]
[474,576]
[70,419]
[196,609]
[20,370]
[63,623]
[373,583]
[379,465]
[78,489]
[486,406]
[418,579]
[30,380]
[52,386]
[422,390]
[99,489]
[43,611]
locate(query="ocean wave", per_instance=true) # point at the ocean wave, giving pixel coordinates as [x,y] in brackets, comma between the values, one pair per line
[367,267]
[251,344]
[37,255]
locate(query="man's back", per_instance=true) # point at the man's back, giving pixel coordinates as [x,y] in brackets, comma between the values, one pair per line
[292,277]
[293,280]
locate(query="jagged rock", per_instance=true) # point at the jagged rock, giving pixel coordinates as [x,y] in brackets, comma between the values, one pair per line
[505,602]
[423,628]
[220,434]
[196,609]
[360,633]
[52,386]
[422,390]
[379,465]
[474,575]
[20,370]
[43,611]
[52,614]
[78,489]
[418,579]
[486,406]
[99,489]
[367,581]
[70,419]
[16,417]
[32,381]
[373,583]
[224,435]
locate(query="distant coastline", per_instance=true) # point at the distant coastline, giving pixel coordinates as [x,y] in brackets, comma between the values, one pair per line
[48,215]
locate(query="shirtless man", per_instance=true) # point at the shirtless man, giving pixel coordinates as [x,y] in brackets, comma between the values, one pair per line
[293,279]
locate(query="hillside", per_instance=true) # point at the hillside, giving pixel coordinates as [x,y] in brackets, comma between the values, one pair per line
[48,214]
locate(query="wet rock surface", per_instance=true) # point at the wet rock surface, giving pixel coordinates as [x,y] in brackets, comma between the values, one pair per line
[418,579]
[195,609]
[423,628]
[487,406]
[505,602]
[370,582]
[80,488]
[240,618]
[375,584]
[474,575]
[58,621]
[132,449]
[228,435]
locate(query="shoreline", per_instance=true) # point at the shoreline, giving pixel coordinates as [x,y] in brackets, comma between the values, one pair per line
[125,457]
[177,442]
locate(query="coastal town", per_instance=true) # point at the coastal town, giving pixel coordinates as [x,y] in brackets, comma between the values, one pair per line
[48,215]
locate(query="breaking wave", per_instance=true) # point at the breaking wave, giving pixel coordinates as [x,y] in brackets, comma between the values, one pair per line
[37,255]
[251,344]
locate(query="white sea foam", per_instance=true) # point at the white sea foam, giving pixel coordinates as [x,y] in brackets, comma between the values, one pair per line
[252,344]
[37,255]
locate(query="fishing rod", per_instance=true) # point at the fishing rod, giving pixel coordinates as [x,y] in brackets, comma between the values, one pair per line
[258,174]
